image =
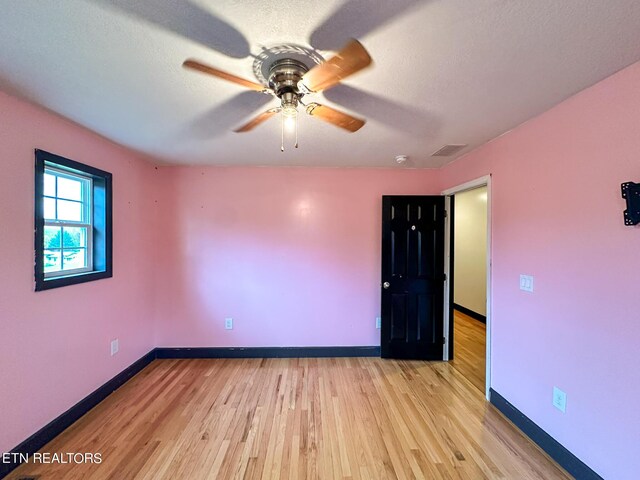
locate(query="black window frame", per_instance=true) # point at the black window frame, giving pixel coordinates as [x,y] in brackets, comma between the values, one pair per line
[102,221]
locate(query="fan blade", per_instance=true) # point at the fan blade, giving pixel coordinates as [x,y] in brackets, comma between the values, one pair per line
[352,58]
[255,121]
[201,67]
[335,117]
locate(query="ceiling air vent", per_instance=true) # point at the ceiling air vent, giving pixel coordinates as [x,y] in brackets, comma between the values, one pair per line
[448,150]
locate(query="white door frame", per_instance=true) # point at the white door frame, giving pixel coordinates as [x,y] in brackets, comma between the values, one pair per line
[478,182]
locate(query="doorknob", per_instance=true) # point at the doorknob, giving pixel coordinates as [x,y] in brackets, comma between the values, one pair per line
[386,285]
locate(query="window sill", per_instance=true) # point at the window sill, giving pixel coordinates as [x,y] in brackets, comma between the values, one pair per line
[56,282]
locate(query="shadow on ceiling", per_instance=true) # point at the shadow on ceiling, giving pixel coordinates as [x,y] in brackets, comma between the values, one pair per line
[224,117]
[187,20]
[399,117]
[353,19]
[357,18]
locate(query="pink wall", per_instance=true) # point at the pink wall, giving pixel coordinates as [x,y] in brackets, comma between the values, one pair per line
[291,254]
[54,345]
[557,215]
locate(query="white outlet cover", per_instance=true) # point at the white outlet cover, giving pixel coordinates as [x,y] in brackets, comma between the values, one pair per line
[526,283]
[559,399]
[115,346]
[228,323]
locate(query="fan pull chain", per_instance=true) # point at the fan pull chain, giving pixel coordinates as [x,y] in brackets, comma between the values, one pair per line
[296,121]
[282,133]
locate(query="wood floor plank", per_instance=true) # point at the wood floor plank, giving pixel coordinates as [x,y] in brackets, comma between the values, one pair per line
[325,418]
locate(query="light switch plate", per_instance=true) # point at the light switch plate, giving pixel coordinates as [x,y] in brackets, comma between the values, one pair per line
[228,323]
[559,399]
[378,322]
[115,346]
[526,283]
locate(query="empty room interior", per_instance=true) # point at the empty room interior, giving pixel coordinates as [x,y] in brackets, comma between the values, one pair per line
[341,239]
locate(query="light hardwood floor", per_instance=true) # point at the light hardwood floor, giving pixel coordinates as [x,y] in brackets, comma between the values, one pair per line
[346,418]
[469,337]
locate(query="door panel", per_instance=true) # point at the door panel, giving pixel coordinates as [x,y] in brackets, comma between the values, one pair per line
[398,316]
[412,277]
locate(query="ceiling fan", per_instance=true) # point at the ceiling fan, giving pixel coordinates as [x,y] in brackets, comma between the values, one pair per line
[290,80]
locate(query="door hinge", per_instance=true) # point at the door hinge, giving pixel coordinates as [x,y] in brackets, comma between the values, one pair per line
[446,214]
[445,278]
[444,340]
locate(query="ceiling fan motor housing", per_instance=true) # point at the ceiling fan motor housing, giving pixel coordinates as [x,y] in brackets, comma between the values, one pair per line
[284,76]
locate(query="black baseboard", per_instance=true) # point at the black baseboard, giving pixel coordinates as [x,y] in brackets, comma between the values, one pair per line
[266,352]
[47,433]
[470,313]
[551,446]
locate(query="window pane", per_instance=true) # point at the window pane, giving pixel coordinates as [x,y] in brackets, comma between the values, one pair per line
[74,237]
[52,237]
[49,208]
[69,211]
[49,185]
[68,188]
[75,258]
[52,261]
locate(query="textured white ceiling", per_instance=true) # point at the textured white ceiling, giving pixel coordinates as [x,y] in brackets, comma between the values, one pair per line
[446,71]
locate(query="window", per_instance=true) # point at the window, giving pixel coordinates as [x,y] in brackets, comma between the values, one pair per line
[67,223]
[72,222]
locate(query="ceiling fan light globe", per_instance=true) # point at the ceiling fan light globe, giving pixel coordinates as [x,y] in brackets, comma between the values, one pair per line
[290,123]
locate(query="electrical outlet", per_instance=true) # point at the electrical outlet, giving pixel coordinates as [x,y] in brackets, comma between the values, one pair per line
[559,399]
[526,283]
[115,346]
[378,322]
[228,323]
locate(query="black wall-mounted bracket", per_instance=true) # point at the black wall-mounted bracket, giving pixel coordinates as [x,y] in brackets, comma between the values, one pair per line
[631,193]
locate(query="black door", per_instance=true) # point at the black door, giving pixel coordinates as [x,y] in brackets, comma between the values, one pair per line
[412,277]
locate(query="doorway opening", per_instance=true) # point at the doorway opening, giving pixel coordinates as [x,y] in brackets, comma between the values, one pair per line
[467,294]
